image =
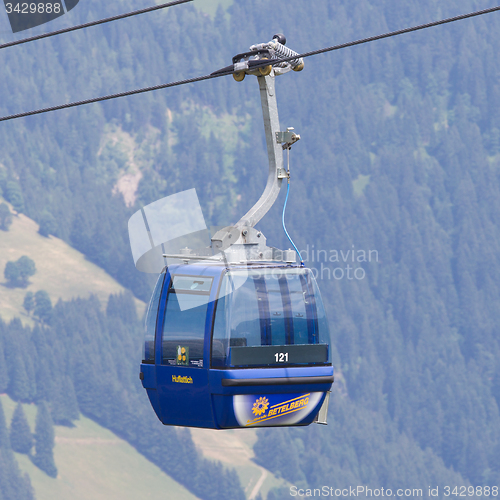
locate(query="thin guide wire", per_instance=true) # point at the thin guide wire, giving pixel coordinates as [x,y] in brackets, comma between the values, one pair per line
[93,23]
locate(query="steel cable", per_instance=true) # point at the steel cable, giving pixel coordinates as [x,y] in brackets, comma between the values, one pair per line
[385,35]
[93,23]
[107,97]
[230,70]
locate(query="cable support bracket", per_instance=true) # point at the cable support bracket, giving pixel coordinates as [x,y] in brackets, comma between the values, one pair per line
[287,139]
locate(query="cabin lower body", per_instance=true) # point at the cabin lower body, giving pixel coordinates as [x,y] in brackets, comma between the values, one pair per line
[244,398]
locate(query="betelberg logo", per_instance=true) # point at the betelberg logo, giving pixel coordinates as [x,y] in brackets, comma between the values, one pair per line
[260,406]
[24,15]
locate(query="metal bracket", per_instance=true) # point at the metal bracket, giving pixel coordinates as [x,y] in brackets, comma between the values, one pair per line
[287,138]
[241,241]
[241,66]
[321,417]
[282,173]
[274,152]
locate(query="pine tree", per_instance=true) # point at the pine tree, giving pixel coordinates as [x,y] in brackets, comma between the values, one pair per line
[11,273]
[4,376]
[44,441]
[26,267]
[14,194]
[4,437]
[13,486]
[48,224]
[19,362]
[17,273]
[29,302]
[21,439]
[64,407]
[43,305]
[19,384]
[5,217]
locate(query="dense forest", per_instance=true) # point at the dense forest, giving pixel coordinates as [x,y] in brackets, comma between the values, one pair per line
[85,360]
[400,154]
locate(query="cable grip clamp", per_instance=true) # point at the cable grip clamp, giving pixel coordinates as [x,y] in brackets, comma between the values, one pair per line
[288,138]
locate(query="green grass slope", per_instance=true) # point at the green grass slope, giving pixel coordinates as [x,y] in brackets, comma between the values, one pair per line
[95,464]
[61,270]
[234,448]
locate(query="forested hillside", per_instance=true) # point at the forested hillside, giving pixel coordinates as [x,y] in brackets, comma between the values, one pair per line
[400,154]
[85,360]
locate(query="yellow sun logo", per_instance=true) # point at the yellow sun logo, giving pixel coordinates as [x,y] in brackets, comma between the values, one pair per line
[260,406]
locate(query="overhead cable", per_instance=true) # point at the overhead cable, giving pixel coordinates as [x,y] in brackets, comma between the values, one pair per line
[93,23]
[229,71]
[111,96]
[380,37]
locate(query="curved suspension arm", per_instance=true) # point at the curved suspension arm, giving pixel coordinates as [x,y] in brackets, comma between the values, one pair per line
[274,151]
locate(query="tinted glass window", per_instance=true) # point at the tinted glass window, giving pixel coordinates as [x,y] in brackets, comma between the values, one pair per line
[220,341]
[299,313]
[183,329]
[276,312]
[266,316]
[237,322]
[148,351]
[323,328]
[244,315]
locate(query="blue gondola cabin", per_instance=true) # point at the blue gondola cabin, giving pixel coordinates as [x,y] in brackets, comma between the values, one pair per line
[236,347]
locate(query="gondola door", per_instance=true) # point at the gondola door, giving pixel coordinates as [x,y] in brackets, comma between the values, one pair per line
[182,372]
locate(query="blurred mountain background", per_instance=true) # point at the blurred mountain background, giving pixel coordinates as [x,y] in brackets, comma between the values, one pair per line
[400,156]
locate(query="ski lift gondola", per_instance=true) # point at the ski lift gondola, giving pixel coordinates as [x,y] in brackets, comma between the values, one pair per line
[236,347]
[238,336]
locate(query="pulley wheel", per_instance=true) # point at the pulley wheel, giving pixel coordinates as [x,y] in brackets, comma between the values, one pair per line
[299,67]
[239,76]
[265,70]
